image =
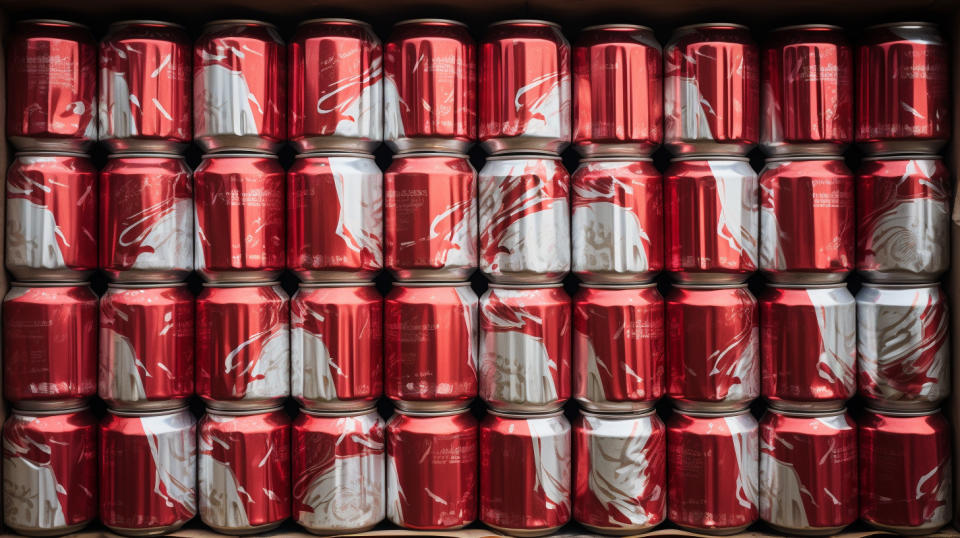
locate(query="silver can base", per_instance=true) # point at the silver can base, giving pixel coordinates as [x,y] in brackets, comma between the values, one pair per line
[618,531]
[910,531]
[246,530]
[430,406]
[56,531]
[524,533]
[69,145]
[313,144]
[815,531]
[225,277]
[723,531]
[802,278]
[524,144]
[446,274]
[334,532]
[429,145]
[887,147]
[43,274]
[137,145]
[148,531]
[217,143]
[345,277]
[626,150]
[710,278]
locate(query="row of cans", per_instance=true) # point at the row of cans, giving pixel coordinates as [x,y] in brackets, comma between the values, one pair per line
[526,475]
[342,90]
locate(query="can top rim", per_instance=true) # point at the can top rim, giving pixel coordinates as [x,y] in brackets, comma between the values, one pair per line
[623,415]
[524,21]
[614,158]
[242,412]
[807,413]
[438,284]
[522,415]
[619,286]
[903,412]
[241,284]
[904,157]
[541,155]
[250,22]
[789,158]
[431,154]
[49,412]
[343,413]
[441,413]
[49,284]
[159,155]
[152,22]
[833,285]
[327,154]
[335,19]
[240,155]
[313,285]
[624,25]
[808,26]
[902,24]
[899,286]
[151,413]
[711,24]
[430,20]
[691,286]
[709,157]
[48,153]
[144,285]
[54,21]
[525,286]
[712,414]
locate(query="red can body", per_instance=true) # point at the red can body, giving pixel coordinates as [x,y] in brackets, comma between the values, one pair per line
[432,469]
[243,470]
[49,471]
[430,217]
[918,498]
[51,86]
[146,218]
[243,345]
[148,471]
[49,345]
[146,346]
[240,224]
[51,231]
[807,91]
[335,86]
[525,95]
[145,93]
[430,351]
[430,100]
[525,473]
[336,341]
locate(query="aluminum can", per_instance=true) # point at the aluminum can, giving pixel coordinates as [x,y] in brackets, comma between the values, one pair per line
[806,220]
[808,347]
[903,89]
[243,470]
[49,471]
[336,345]
[243,345]
[918,497]
[618,91]
[49,345]
[51,86]
[335,86]
[430,345]
[524,219]
[146,346]
[618,347]
[430,217]
[807,91]
[616,229]
[146,218]
[711,96]
[903,218]
[525,362]
[620,477]
[430,80]
[145,95]
[240,224]
[808,471]
[148,471]
[239,86]
[525,95]
[343,242]
[713,341]
[712,219]
[51,231]
[338,468]
[525,472]
[432,469]
[903,345]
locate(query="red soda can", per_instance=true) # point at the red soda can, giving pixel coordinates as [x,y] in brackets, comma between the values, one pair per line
[525,472]
[616,227]
[146,218]
[525,348]
[903,345]
[524,219]
[903,89]
[146,346]
[239,86]
[905,471]
[432,469]
[338,466]
[51,86]
[713,341]
[808,346]
[807,91]
[145,96]
[243,470]
[49,345]
[618,91]
[49,471]
[335,86]
[51,231]
[903,218]
[430,350]
[430,217]
[712,208]
[148,471]
[240,220]
[243,345]
[808,471]
[621,472]
[711,96]
[336,342]
[430,100]
[524,87]
[618,347]
[806,220]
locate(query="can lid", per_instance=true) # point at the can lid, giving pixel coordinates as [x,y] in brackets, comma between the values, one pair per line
[327,154]
[904,157]
[248,22]
[809,26]
[711,25]
[144,285]
[243,412]
[448,154]
[615,158]
[902,24]
[341,413]
[340,20]
[807,413]
[431,21]
[48,411]
[47,153]
[833,285]
[522,415]
[233,153]
[158,155]
[526,155]
[59,22]
[525,21]
[443,413]
[692,286]
[708,157]
[312,285]
[899,286]
[150,22]
[241,284]
[712,414]
[793,158]
[438,284]
[526,286]
[903,412]
[618,286]
[622,415]
[615,25]
[152,413]
[49,284]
